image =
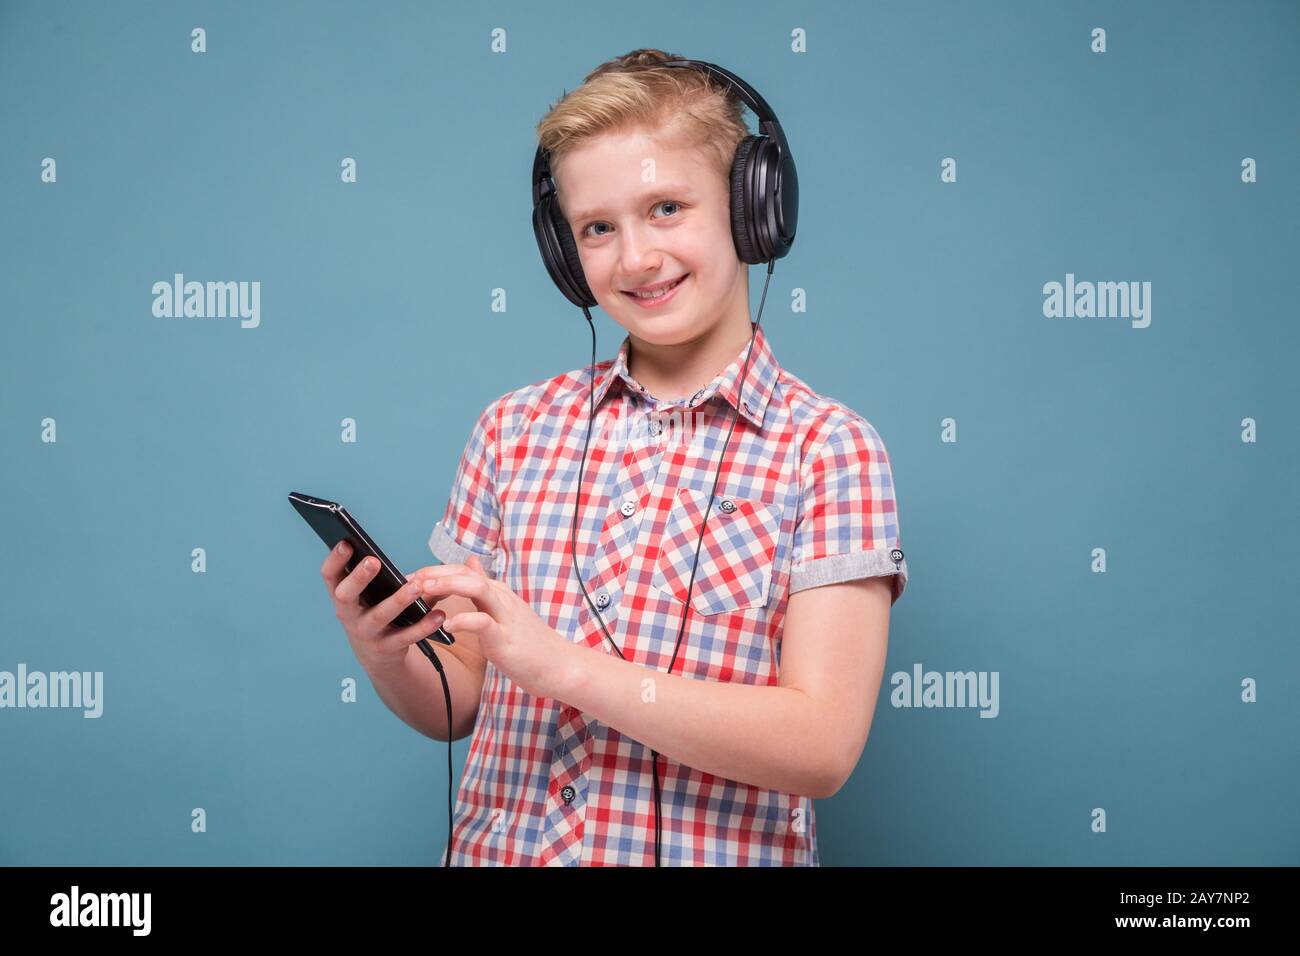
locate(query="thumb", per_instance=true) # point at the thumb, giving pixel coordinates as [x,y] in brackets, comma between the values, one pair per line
[475,565]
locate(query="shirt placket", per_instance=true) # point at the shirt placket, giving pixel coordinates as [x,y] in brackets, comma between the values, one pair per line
[572,751]
[567,790]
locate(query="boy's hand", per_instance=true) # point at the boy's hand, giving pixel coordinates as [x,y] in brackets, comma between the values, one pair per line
[510,633]
[379,645]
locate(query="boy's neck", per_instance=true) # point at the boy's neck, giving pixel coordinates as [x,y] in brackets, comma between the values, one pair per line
[676,372]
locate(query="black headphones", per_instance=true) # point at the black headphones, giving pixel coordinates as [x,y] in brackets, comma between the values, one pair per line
[764,196]
[764,213]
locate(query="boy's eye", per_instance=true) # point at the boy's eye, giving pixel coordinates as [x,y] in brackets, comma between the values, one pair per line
[587,231]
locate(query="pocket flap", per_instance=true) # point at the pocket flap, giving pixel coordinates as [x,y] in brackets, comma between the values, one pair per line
[736,555]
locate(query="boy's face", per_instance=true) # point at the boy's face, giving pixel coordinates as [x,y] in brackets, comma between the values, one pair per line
[644,210]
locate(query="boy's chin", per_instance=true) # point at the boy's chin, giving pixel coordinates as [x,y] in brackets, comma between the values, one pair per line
[675,331]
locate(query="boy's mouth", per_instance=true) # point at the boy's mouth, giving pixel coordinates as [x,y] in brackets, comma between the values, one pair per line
[659,297]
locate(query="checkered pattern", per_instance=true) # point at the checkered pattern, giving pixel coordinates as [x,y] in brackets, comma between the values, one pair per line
[806,499]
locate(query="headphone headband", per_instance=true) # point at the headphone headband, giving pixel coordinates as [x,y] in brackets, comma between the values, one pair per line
[767,121]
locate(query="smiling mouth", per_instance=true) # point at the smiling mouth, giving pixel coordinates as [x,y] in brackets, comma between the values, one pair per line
[659,294]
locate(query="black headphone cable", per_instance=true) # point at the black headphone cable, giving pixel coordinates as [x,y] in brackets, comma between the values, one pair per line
[654,755]
[446,693]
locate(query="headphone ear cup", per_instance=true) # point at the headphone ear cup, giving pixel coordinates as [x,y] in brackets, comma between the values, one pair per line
[559,254]
[572,261]
[742,195]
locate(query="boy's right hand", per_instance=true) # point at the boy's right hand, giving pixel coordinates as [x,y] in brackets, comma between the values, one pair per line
[378,645]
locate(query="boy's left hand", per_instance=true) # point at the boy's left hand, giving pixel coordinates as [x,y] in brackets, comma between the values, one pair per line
[510,633]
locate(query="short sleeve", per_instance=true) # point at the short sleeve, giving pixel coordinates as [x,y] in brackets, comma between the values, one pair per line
[471,522]
[848,517]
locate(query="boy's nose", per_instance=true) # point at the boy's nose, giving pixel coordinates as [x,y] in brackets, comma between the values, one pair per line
[636,266]
[639,255]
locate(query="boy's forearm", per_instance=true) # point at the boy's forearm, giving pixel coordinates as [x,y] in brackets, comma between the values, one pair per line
[766,736]
[413,691]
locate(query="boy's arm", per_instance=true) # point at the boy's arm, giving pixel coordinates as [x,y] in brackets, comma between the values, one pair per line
[471,520]
[803,736]
[413,689]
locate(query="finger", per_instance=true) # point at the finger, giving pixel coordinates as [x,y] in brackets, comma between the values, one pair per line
[466,585]
[476,622]
[441,570]
[349,590]
[386,610]
[332,569]
[475,565]
[402,637]
[419,574]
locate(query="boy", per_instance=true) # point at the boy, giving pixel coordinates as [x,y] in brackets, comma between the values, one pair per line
[766,700]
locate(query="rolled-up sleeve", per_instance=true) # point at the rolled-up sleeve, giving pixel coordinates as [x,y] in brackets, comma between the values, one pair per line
[848,523]
[471,522]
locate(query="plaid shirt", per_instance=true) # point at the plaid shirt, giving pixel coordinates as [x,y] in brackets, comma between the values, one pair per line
[806,499]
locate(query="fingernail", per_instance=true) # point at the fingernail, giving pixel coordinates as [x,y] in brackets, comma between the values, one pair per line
[438,617]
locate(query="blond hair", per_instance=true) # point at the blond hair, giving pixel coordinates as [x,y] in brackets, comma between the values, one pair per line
[636,91]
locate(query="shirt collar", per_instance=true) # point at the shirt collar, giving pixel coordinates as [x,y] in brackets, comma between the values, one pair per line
[760,379]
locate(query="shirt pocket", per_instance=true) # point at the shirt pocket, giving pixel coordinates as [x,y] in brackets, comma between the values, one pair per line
[736,555]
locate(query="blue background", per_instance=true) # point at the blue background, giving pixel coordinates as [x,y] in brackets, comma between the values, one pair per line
[221,690]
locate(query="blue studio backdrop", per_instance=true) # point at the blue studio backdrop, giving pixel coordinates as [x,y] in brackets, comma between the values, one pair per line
[1047,249]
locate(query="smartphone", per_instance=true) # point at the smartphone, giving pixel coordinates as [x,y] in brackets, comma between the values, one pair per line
[331,521]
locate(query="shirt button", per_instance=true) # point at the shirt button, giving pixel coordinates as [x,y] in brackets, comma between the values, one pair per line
[602,599]
[728,505]
[629,508]
[568,793]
